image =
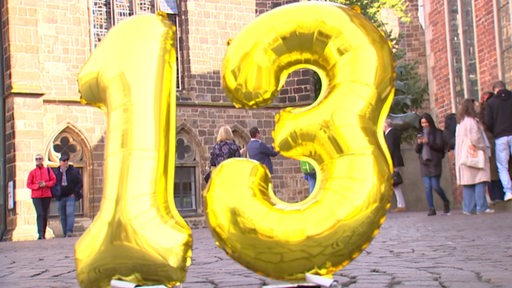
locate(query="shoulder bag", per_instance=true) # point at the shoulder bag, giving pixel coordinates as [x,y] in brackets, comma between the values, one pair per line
[397,178]
[473,158]
[56,192]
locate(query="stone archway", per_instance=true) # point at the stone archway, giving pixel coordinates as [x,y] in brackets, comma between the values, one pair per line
[187,176]
[69,139]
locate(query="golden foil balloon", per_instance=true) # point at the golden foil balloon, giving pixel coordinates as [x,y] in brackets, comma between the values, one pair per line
[341,133]
[138,235]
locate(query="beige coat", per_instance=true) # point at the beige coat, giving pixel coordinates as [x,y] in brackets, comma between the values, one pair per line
[470,129]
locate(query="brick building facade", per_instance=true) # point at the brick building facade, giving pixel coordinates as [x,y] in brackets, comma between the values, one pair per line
[45,43]
[468,47]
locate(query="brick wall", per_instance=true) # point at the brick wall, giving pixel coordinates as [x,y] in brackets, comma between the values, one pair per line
[288,182]
[438,61]
[208,26]
[486,43]
[413,40]
[47,43]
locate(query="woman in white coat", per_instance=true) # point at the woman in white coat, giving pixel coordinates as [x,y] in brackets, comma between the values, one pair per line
[470,136]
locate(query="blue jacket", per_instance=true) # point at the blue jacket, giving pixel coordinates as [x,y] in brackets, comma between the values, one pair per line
[261,152]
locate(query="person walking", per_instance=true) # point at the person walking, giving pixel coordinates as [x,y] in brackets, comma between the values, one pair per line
[497,119]
[260,151]
[70,180]
[393,141]
[430,148]
[470,137]
[39,181]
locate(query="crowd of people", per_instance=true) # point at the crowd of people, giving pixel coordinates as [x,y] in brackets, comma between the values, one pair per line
[482,144]
[483,127]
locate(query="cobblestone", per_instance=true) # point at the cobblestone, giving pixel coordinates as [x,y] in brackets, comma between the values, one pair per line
[411,250]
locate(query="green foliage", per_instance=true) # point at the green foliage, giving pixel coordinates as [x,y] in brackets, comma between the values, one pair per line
[372,8]
[410,89]
[410,92]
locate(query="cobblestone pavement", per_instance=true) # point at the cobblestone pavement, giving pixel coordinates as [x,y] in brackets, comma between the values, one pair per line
[411,250]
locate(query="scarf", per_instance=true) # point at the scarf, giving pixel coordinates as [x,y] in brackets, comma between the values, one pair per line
[426,154]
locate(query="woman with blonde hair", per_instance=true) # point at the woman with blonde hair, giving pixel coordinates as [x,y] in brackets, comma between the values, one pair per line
[469,138]
[225,148]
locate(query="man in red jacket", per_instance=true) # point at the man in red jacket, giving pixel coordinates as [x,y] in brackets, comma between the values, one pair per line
[40,180]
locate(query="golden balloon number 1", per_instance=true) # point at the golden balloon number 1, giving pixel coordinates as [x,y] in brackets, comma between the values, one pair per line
[341,133]
[138,235]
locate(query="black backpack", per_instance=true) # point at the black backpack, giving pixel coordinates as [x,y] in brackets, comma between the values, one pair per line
[450,123]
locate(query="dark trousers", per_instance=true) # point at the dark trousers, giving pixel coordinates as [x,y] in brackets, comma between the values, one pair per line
[42,206]
[496,190]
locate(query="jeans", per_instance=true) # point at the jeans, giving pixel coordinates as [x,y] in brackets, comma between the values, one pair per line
[503,148]
[67,214]
[473,198]
[42,205]
[311,178]
[433,182]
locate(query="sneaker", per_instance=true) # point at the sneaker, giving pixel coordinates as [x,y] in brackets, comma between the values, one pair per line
[486,211]
[466,213]
[399,209]
[432,212]
[446,207]
[508,196]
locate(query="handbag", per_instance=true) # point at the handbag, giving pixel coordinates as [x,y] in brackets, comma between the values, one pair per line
[397,178]
[55,189]
[473,159]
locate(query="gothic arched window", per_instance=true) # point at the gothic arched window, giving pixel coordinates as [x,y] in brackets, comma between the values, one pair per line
[69,143]
[107,13]
[185,182]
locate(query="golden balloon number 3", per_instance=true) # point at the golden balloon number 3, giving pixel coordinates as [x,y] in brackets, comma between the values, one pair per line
[139,236]
[341,133]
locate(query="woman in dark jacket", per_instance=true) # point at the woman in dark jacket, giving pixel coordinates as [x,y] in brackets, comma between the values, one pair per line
[430,148]
[224,149]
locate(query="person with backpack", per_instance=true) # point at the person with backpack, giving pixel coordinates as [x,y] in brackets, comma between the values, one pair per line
[70,181]
[39,181]
[430,149]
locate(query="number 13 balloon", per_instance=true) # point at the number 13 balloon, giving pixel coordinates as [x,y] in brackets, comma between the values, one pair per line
[138,235]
